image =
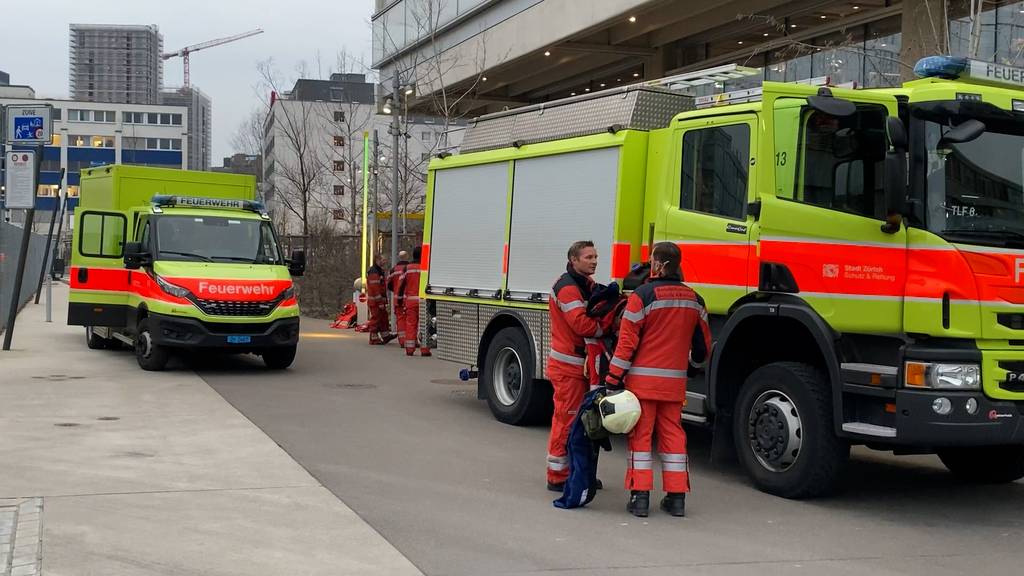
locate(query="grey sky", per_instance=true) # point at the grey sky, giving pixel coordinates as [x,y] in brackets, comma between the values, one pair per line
[294,30]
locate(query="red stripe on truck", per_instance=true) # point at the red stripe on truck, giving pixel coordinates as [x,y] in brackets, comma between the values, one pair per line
[620,259]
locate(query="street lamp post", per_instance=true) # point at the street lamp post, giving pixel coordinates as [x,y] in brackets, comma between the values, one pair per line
[395,131]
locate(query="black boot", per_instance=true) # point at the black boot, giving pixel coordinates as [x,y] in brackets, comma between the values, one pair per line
[674,503]
[639,503]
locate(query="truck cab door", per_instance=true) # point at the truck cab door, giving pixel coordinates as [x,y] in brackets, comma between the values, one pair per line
[708,216]
[99,280]
[823,208]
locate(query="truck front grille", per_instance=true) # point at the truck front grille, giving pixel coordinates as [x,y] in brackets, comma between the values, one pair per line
[235,307]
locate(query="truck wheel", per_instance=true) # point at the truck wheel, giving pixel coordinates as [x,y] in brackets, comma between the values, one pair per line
[985,464]
[279,358]
[149,355]
[513,396]
[94,341]
[784,434]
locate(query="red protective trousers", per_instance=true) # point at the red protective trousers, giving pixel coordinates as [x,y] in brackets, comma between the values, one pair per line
[412,327]
[661,418]
[400,321]
[570,386]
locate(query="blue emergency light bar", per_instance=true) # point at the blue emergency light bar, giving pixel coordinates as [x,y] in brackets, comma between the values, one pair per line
[958,68]
[167,200]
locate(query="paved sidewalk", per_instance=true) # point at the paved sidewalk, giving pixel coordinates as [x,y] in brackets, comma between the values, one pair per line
[121,471]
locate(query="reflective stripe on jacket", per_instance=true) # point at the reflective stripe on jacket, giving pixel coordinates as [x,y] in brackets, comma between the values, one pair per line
[570,324]
[665,325]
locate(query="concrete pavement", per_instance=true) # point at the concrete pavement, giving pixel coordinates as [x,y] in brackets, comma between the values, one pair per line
[141,473]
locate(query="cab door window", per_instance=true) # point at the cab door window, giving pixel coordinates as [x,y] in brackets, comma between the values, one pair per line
[842,161]
[715,170]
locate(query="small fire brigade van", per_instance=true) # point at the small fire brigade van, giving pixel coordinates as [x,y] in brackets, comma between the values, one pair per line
[174,260]
[861,253]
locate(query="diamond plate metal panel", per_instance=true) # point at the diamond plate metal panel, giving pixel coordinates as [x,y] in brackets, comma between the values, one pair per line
[458,335]
[632,107]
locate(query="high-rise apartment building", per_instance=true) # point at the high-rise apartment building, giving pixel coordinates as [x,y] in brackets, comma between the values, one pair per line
[5,78]
[199,128]
[115,63]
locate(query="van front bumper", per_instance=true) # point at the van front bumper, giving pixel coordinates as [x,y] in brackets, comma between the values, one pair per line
[183,332]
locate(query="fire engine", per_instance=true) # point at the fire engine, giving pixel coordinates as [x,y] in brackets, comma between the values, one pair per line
[861,253]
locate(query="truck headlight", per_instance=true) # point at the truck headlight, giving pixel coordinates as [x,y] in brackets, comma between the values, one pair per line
[288,293]
[942,376]
[172,289]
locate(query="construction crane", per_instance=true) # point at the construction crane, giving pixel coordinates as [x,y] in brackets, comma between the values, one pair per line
[184,52]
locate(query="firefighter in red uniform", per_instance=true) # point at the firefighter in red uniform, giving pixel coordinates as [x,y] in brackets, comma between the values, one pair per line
[570,325]
[663,330]
[377,302]
[409,292]
[394,278]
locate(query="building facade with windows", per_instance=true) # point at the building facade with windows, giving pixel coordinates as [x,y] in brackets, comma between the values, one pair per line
[5,78]
[88,134]
[115,63]
[506,53]
[313,154]
[199,126]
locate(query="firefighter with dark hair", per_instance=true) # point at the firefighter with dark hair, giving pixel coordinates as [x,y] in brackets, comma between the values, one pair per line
[409,293]
[663,330]
[570,325]
[394,278]
[377,302]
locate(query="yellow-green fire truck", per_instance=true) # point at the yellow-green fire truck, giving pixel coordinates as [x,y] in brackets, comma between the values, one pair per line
[861,253]
[180,261]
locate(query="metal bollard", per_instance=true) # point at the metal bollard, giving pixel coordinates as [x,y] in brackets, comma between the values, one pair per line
[49,298]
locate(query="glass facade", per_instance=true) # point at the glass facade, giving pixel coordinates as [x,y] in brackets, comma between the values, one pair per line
[409,21]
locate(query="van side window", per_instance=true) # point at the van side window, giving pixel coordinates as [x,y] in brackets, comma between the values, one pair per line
[144,237]
[715,169]
[842,161]
[102,235]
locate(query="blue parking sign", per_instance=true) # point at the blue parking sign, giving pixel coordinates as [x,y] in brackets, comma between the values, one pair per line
[28,127]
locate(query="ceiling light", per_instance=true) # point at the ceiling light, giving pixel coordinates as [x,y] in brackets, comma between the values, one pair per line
[740,42]
[856,7]
[636,74]
[618,79]
[823,17]
[572,94]
[632,18]
[547,53]
[602,84]
[586,89]
[484,79]
[792,25]
[765,34]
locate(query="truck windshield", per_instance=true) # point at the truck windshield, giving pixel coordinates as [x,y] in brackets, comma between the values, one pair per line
[216,239]
[974,188]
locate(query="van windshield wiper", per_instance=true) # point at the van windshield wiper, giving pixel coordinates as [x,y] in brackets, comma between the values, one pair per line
[237,259]
[189,254]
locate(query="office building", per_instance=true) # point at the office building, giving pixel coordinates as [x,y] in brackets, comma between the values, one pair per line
[200,126]
[115,63]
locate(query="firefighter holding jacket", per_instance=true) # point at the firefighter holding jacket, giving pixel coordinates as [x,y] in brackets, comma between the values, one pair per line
[377,302]
[409,294]
[570,326]
[664,328]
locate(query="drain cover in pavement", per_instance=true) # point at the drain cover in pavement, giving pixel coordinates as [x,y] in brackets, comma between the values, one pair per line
[353,386]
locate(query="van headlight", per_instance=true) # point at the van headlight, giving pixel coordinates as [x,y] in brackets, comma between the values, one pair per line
[172,289]
[287,294]
[942,376]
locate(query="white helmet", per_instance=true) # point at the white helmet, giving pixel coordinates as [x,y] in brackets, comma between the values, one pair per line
[620,411]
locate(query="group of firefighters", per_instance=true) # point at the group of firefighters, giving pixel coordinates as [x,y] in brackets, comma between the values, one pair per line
[647,345]
[400,286]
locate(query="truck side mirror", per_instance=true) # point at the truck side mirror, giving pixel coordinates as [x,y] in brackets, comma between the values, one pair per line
[135,256]
[297,263]
[895,176]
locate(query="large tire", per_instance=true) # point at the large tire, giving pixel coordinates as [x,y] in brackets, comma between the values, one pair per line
[95,341]
[784,431]
[506,376]
[279,358]
[985,464]
[149,355]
